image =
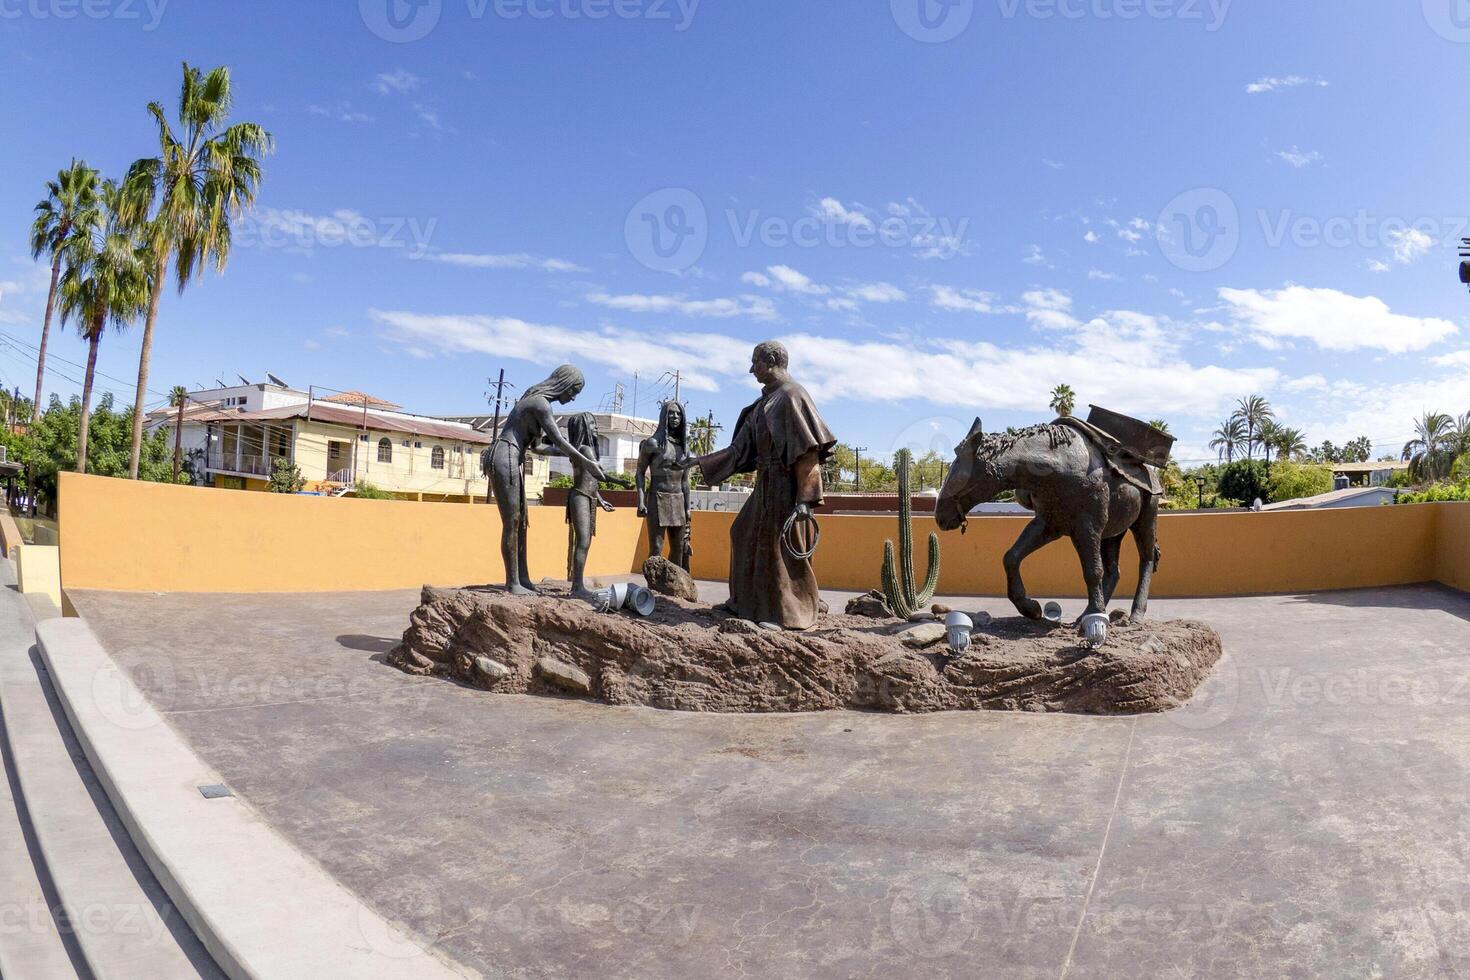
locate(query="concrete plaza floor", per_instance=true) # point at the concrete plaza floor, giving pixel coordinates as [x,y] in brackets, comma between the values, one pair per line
[1306,815]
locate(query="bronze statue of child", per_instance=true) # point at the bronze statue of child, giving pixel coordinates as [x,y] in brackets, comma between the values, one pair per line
[583,500]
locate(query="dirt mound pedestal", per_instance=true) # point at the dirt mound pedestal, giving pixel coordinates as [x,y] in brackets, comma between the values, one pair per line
[688,657]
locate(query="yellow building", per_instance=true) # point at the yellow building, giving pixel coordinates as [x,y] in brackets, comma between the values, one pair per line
[233,437]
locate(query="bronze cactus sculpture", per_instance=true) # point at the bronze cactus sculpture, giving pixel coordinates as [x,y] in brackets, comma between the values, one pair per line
[904,598]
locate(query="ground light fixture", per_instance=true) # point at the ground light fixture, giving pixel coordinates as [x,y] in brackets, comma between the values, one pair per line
[1094,630]
[957,629]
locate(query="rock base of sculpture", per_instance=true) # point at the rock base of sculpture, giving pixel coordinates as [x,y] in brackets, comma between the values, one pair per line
[688,657]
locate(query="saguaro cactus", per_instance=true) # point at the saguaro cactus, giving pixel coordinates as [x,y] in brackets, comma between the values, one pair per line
[898,577]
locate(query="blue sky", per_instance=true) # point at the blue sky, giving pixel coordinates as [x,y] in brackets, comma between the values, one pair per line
[945,211]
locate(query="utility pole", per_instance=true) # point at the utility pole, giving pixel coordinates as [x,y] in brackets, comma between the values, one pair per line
[498,401]
[677,377]
[857,474]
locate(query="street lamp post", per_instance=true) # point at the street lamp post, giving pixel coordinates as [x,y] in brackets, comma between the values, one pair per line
[1199,481]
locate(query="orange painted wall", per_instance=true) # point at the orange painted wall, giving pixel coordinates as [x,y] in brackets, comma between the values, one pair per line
[150,537]
[1204,554]
[130,536]
[1452,559]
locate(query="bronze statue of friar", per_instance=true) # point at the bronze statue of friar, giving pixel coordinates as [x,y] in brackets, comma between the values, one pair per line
[782,439]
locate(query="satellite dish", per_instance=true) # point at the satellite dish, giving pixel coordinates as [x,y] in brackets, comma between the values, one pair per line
[276,381]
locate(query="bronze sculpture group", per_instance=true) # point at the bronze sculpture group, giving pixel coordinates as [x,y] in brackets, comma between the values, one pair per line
[1090,483]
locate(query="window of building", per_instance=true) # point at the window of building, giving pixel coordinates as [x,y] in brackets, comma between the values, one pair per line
[436,459]
[385,450]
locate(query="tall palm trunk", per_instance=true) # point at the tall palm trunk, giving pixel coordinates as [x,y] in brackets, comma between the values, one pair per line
[159,271]
[45,334]
[83,422]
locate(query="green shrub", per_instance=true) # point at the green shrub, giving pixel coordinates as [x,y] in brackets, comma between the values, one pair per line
[1438,493]
[367,491]
[1245,479]
[1293,481]
[286,477]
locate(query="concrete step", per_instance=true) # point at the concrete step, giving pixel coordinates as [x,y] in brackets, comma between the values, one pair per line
[262,907]
[108,914]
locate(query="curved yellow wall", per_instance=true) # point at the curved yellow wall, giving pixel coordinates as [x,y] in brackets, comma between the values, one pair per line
[144,537]
[1203,554]
[151,537]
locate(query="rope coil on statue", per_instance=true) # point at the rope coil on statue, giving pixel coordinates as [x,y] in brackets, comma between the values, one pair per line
[788,536]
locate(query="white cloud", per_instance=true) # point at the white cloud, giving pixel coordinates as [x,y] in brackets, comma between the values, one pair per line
[1270,84]
[1053,164]
[1298,158]
[518,260]
[1034,255]
[783,278]
[963,300]
[787,278]
[833,210]
[1330,319]
[1378,265]
[1098,275]
[878,292]
[702,359]
[399,81]
[342,112]
[1133,231]
[1092,238]
[754,307]
[1126,360]
[1049,309]
[428,116]
[1408,244]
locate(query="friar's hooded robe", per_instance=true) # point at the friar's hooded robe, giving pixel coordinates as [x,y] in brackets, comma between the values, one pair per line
[767,583]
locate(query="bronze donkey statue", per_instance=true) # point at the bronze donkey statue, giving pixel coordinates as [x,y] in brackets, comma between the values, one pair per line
[1070,481]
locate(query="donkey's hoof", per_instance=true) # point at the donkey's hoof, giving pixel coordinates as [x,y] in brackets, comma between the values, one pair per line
[1031,609]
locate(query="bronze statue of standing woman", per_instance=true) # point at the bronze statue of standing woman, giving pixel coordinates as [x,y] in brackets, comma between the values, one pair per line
[663,485]
[530,427]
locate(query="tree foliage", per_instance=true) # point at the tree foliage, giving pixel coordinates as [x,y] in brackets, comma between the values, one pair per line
[286,477]
[1293,481]
[1244,479]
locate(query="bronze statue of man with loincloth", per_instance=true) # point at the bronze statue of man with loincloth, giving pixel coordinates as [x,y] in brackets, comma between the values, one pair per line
[783,440]
[664,499]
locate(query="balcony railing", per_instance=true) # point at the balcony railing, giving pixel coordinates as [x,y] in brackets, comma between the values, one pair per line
[244,463]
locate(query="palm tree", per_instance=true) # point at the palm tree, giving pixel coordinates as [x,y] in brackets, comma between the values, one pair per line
[1290,443]
[106,281]
[178,397]
[1160,424]
[1431,453]
[1063,400]
[1253,410]
[1229,438]
[69,211]
[187,195]
[1267,435]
